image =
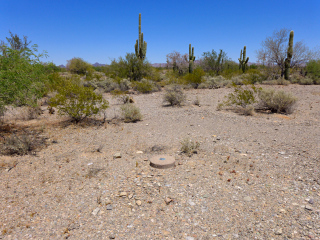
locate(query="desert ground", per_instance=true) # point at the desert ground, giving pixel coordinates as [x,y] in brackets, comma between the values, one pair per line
[252,177]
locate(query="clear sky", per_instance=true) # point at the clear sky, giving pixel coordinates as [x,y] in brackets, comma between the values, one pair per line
[99,31]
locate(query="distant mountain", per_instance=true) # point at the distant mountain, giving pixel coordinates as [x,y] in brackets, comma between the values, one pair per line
[62,66]
[159,64]
[98,64]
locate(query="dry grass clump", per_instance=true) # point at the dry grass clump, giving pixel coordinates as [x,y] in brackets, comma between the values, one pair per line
[276,101]
[189,147]
[174,96]
[130,113]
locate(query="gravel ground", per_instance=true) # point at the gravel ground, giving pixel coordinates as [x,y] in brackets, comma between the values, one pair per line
[253,177]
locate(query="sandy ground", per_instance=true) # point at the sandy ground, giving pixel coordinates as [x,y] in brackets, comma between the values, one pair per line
[253,177]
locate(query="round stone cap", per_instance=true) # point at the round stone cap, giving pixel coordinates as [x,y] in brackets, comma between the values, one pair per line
[162,161]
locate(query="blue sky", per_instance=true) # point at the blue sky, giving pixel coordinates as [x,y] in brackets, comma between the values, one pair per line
[99,31]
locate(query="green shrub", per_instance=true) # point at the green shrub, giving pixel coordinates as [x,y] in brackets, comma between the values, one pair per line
[242,96]
[195,78]
[174,95]
[146,86]
[313,69]
[22,77]
[276,101]
[77,101]
[79,66]
[130,113]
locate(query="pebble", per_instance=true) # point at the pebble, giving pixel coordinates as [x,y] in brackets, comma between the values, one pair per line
[139,152]
[109,207]
[96,211]
[189,238]
[191,203]
[278,231]
[247,199]
[123,194]
[308,207]
[138,202]
[168,200]
[112,237]
[117,155]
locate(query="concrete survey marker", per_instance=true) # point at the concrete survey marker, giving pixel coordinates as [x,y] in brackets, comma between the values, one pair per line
[162,161]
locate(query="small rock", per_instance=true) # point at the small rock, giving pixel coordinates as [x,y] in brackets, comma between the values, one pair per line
[123,194]
[168,200]
[191,203]
[247,199]
[109,207]
[139,152]
[282,153]
[282,210]
[138,202]
[189,238]
[311,201]
[130,196]
[96,211]
[112,237]
[278,231]
[117,155]
[308,207]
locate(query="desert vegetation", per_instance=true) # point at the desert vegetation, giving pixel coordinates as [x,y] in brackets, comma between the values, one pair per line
[122,105]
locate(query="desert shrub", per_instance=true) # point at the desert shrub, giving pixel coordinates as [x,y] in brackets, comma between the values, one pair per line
[78,66]
[195,78]
[130,113]
[196,101]
[130,67]
[242,96]
[313,69]
[254,76]
[189,147]
[146,86]
[279,81]
[77,101]
[276,101]
[174,95]
[18,145]
[212,82]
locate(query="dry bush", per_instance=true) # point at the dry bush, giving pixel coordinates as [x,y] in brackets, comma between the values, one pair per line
[280,81]
[276,101]
[18,145]
[146,86]
[189,147]
[130,113]
[174,96]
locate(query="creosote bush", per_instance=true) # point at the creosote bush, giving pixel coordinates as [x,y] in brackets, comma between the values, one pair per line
[130,113]
[276,101]
[146,86]
[174,95]
[77,101]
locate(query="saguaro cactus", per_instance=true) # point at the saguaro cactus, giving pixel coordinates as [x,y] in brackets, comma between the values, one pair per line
[191,59]
[140,46]
[289,56]
[243,61]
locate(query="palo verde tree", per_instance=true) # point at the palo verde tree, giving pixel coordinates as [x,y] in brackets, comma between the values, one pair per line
[140,46]
[22,76]
[274,51]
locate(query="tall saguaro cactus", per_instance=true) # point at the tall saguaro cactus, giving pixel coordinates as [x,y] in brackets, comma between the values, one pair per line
[289,56]
[191,59]
[243,61]
[140,46]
